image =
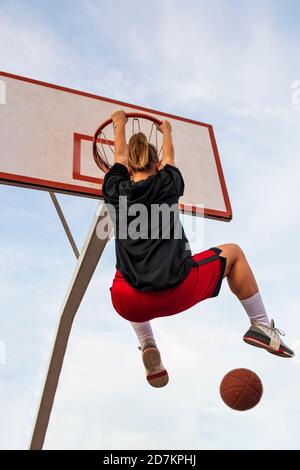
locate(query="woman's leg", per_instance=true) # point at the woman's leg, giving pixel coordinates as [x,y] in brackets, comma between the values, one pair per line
[242,283]
[240,278]
[156,374]
[144,333]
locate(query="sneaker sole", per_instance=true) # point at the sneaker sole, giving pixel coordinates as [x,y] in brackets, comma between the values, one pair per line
[157,376]
[260,344]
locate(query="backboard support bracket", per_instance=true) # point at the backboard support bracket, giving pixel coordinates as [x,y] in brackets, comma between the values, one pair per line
[64,223]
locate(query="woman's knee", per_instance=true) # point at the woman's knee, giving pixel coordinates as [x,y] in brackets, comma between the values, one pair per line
[232,252]
[237,250]
[231,249]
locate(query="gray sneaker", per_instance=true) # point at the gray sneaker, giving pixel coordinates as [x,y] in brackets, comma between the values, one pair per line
[156,374]
[268,337]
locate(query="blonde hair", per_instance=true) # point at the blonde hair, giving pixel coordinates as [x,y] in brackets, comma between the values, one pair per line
[141,154]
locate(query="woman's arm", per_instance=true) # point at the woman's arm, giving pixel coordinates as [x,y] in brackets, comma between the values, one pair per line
[119,121]
[168,148]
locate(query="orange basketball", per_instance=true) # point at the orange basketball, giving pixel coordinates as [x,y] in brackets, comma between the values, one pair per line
[241,389]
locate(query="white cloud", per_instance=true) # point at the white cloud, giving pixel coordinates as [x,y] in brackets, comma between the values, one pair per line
[24,48]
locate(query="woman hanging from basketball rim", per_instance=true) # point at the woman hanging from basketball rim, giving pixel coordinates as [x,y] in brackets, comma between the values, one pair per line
[157,275]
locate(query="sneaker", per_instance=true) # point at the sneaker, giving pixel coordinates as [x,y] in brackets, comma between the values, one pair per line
[268,337]
[156,373]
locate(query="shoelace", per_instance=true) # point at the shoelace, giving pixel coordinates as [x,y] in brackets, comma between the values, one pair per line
[273,332]
[279,332]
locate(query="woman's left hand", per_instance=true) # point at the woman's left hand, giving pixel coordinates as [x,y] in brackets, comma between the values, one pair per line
[119,117]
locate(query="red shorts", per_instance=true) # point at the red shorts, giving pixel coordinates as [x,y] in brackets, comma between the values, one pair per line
[203,282]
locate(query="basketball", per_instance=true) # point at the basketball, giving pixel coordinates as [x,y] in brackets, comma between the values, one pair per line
[241,389]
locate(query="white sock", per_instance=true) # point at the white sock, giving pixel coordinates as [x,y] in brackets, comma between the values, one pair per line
[255,309]
[144,332]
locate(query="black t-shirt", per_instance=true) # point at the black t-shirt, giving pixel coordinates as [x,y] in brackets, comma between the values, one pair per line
[152,251]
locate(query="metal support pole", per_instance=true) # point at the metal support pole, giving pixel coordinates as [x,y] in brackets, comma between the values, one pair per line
[86,264]
[64,223]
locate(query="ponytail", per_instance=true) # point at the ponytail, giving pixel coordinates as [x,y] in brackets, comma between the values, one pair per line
[141,154]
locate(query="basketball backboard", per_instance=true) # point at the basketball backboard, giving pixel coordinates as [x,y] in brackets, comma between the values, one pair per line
[46,136]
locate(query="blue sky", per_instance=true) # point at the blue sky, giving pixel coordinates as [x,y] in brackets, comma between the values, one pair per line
[225,62]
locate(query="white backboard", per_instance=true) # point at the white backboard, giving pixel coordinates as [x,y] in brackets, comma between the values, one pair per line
[46,135]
